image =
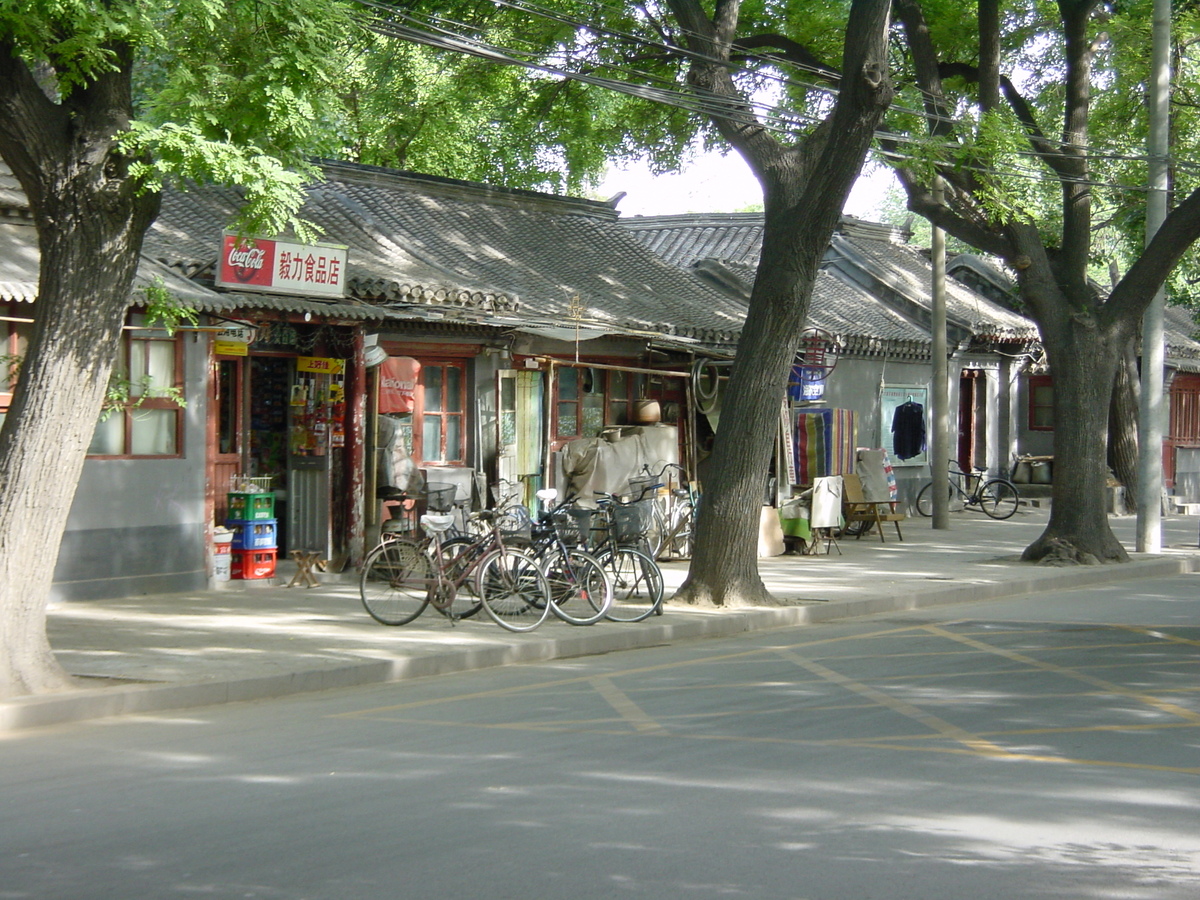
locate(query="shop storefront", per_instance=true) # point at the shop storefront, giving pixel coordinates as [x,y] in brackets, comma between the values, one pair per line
[285,391]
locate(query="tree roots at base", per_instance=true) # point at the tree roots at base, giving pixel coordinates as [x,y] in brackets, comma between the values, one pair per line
[727,596]
[1057,551]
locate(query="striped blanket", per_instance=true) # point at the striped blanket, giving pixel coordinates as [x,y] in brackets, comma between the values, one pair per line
[825,443]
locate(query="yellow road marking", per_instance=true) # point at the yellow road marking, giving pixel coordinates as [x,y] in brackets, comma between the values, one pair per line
[852,743]
[625,707]
[1173,709]
[624,673]
[904,708]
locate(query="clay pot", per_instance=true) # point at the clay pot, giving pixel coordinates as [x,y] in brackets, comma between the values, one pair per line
[646,412]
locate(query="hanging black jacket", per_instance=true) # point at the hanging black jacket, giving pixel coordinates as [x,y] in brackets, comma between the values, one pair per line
[908,430]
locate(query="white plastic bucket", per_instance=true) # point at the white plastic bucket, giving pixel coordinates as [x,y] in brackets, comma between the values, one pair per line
[223,555]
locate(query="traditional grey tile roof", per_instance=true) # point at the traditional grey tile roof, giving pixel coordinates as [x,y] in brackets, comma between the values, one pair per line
[480,253]
[905,275]
[684,240]
[1180,331]
[13,202]
[861,323]
[873,255]
[19,283]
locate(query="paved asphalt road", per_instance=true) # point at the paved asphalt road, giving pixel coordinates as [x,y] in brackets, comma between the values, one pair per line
[1042,747]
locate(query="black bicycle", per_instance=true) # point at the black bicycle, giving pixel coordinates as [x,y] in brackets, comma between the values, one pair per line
[996,497]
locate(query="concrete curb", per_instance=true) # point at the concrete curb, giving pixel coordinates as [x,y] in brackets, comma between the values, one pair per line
[677,625]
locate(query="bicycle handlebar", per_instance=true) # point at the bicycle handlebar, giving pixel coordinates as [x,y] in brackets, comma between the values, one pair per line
[659,474]
[616,498]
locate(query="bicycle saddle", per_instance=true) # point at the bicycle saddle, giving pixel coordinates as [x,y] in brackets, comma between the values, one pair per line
[436,523]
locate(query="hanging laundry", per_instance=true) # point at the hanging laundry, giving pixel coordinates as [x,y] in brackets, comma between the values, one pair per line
[908,430]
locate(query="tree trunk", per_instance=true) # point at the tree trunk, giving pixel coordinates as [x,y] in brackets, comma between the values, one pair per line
[724,569]
[90,223]
[1083,358]
[1123,423]
[804,190]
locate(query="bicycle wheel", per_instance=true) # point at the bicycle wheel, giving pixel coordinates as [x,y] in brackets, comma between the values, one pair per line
[513,590]
[395,581]
[678,543]
[456,559]
[999,498]
[656,532]
[579,586]
[925,499]
[637,584]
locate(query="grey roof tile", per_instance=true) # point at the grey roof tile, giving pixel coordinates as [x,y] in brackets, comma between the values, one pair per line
[905,270]
[736,238]
[417,240]
[845,309]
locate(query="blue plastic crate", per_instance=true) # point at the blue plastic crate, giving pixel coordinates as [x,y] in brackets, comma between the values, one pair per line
[262,534]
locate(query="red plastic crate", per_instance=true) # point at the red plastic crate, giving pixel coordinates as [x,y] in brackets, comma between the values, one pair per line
[253,564]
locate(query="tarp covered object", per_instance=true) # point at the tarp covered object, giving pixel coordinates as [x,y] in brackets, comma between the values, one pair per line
[596,464]
[825,443]
[878,477]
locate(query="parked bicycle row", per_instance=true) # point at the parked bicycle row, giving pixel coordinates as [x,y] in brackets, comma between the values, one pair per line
[578,563]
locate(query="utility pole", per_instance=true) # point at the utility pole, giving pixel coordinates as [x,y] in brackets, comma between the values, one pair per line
[1150,413]
[939,460]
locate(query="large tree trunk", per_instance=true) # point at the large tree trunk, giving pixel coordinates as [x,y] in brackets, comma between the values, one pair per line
[724,569]
[1084,349]
[1123,422]
[1084,335]
[90,224]
[804,189]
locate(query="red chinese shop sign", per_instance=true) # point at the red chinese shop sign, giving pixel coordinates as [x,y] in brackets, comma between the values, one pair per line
[280,267]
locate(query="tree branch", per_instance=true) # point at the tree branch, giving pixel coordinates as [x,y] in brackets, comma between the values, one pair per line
[921,201]
[1050,152]
[789,51]
[30,124]
[1178,232]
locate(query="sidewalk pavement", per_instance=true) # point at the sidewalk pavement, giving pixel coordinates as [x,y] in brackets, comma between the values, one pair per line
[254,640]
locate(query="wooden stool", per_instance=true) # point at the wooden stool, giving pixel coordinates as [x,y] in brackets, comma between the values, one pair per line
[306,562]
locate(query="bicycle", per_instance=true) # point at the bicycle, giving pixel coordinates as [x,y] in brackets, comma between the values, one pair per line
[636,577]
[580,588]
[401,576]
[673,522]
[996,497]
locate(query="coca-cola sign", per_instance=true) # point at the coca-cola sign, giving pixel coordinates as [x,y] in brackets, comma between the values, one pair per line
[258,264]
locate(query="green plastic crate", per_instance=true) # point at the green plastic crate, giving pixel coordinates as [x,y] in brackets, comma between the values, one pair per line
[251,507]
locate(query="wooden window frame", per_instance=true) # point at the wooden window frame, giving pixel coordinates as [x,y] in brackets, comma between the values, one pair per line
[1183,428]
[136,405]
[12,334]
[1039,381]
[615,410]
[420,414]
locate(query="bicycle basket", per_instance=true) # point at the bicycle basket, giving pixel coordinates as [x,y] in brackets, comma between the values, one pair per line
[574,526]
[631,521]
[514,521]
[439,497]
[641,488]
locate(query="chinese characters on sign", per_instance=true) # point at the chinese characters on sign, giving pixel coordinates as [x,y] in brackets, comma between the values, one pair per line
[257,264]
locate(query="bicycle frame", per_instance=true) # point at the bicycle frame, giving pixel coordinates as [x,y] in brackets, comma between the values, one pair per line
[677,509]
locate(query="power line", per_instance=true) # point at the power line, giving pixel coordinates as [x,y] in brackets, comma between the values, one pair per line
[762,114]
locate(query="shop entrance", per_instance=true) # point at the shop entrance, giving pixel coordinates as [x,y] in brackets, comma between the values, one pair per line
[289,414]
